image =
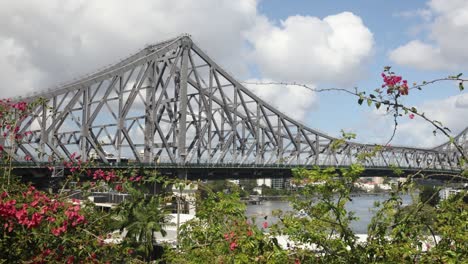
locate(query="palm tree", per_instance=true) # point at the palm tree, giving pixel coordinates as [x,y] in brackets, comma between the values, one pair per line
[141,219]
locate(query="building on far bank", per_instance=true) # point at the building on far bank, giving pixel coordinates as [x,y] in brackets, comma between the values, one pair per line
[372,184]
[281,183]
[264,181]
[449,191]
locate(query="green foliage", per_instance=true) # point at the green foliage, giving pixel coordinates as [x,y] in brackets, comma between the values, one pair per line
[451,226]
[141,215]
[220,186]
[429,195]
[321,233]
[140,219]
[269,191]
[248,185]
[326,229]
[222,234]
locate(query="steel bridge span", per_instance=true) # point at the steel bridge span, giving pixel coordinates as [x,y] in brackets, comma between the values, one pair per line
[170,103]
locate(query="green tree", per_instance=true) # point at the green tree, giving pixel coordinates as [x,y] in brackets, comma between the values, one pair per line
[429,195]
[221,233]
[140,216]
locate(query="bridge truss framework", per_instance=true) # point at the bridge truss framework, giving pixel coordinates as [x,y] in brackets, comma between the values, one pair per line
[171,103]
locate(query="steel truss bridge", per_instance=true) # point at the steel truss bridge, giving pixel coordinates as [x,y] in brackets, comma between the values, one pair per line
[172,104]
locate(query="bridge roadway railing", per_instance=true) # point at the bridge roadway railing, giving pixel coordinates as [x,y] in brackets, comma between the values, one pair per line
[218,166]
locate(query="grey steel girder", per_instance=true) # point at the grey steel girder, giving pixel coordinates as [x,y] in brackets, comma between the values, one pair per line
[170,102]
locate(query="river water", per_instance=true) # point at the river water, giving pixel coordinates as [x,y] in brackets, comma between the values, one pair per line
[362,205]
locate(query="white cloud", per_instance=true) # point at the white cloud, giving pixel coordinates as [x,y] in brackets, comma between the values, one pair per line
[462,101]
[425,14]
[15,68]
[446,46]
[416,54]
[52,41]
[418,132]
[308,49]
[292,100]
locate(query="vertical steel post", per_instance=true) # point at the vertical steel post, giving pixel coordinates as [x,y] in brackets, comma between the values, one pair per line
[84,125]
[182,131]
[44,136]
[182,109]
[120,120]
[259,149]
[149,118]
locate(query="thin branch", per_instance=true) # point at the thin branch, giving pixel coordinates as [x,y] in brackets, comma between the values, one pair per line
[395,105]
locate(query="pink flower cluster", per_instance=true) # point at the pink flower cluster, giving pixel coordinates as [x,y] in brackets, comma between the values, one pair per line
[395,83]
[8,107]
[74,164]
[135,178]
[21,106]
[11,116]
[74,218]
[27,213]
[36,209]
[231,238]
[13,130]
[107,176]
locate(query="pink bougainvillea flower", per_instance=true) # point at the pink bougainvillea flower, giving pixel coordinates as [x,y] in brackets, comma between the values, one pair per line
[411,116]
[233,245]
[119,188]
[265,224]
[138,178]
[46,252]
[70,260]
[395,83]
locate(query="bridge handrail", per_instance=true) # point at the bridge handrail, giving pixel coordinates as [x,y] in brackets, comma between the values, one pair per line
[48,165]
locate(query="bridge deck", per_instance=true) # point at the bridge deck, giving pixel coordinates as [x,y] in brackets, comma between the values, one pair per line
[219,171]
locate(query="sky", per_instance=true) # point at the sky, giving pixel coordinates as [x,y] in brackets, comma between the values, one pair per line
[323,44]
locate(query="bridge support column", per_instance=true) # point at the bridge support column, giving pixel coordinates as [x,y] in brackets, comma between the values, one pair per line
[149,119]
[182,129]
[44,136]
[84,127]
